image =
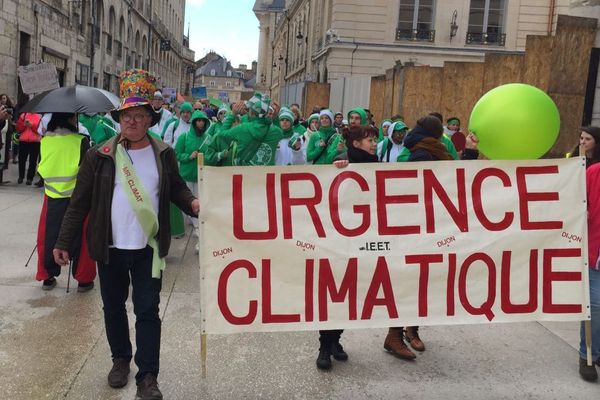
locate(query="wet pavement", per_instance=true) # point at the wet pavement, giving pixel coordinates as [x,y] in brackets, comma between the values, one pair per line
[53,345]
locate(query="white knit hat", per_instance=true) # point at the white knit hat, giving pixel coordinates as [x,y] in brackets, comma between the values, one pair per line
[327,113]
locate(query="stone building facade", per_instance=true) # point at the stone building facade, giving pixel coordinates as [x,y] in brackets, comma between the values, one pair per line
[222,81]
[91,41]
[346,42]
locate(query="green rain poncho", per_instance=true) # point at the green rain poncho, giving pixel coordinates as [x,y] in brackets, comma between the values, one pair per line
[316,154]
[250,143]
[193,141]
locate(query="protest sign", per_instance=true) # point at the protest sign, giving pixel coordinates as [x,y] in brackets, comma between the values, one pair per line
[38,78]
[199,92]
[401,244]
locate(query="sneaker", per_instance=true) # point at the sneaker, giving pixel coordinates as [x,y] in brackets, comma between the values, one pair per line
[20,180]
[337,351]
[588,373]
[49,284]
[28,183]
[119,373]
[39,183]
[324,358]
[147,389]
[85,287]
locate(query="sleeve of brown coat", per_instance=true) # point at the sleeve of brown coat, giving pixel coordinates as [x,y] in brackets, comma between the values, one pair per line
[181,195]
[80,204]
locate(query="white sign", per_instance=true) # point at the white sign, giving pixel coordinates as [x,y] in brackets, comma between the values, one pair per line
[38,78]
[401,244]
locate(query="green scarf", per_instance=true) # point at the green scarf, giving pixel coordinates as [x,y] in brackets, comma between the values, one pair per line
[141,205]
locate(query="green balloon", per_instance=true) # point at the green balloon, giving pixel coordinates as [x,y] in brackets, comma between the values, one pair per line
[515,122]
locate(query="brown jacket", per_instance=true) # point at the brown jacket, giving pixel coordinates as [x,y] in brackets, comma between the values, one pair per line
[93,195]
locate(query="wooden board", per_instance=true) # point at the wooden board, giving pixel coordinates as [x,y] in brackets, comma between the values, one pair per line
[462,88]
[422,92]
[501,69]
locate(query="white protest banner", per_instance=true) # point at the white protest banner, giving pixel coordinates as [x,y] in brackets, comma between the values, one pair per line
[38,78]
[398,244]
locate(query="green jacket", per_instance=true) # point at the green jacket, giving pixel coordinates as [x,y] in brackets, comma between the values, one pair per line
[215,128]
[446,141]
[249,143]
[192,141]
[105,129]
[316,154]
[89,122]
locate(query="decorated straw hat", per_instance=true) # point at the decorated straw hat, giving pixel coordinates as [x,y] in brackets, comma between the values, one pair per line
[137,89]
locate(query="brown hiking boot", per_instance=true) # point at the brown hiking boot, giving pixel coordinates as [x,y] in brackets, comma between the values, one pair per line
[412,337]
[118,375]
[394,344]
[147,389]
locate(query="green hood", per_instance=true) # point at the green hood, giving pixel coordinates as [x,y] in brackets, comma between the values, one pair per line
[360,111]
[198,114]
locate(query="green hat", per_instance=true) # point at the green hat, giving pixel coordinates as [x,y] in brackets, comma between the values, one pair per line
[312,118]
[186,106]
[259,103]
[286,113]
[361,113]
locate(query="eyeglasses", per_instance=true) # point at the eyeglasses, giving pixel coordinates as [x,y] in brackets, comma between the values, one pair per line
[133,117]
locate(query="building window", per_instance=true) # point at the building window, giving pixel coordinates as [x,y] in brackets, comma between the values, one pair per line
[228,84]
[415,21]
[213,72]
[109,44]
[212,83]
[82,74]
[229,73]
[106,81]
[486,22]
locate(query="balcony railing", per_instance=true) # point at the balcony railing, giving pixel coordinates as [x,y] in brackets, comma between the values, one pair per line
[488,39]
[425,35]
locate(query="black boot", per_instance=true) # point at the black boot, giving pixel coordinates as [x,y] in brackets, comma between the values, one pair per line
[337,351]
[324,358]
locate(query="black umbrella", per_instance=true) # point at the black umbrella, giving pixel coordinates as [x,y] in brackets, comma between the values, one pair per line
[73,99]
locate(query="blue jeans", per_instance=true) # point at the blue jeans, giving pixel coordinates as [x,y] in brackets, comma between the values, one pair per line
[133,267]
[595,308]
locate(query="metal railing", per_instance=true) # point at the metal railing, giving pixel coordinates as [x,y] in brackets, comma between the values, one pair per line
[493,39]
[426,35]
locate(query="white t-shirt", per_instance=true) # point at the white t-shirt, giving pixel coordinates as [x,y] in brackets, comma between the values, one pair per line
[127,233]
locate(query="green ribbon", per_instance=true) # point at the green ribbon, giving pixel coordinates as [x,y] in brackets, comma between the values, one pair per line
[142,206]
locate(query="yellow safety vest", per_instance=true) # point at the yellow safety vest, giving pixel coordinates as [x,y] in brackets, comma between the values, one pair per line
[59,164]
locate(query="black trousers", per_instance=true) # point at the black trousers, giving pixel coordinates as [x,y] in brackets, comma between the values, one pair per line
[55,212]
[328,337]
[29,150]
[135,267]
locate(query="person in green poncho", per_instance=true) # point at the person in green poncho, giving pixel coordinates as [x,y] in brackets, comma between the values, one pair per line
[217,125]
[105,129]
[358,117]
[188,146]
[249,143]
[90,121]
[284,155]
[325,144]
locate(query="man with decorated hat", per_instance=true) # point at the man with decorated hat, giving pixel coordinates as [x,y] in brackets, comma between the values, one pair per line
[157,102]
[253,142]
[125,186]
